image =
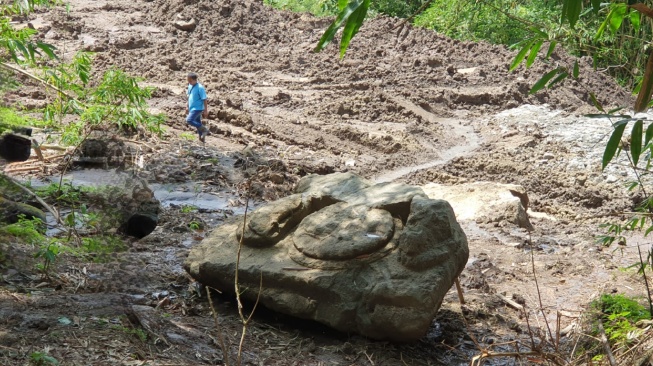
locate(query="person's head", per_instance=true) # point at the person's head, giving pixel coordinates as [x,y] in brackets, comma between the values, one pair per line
[192,78]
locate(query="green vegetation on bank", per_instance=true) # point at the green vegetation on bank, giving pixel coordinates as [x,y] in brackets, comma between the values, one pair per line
[79,101]
[620,315]
[11,119]
[322,8]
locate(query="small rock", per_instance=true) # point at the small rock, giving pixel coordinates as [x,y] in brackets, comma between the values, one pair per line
[549,156]
[173,64]
[187,26]
[10,211]
[350,163]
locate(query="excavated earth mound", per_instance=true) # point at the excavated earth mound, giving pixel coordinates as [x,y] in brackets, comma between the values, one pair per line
[397,99]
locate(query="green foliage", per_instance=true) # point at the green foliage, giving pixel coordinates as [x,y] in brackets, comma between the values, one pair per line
[195,225]
[27,6]
[71,77]
[638,148]
[323,8]
[494,21]
[10,119]
[620,315]
[28,231]
[598,31]
[42,359]
[16,44]
[100,247]
[318,8]
[188,136]
[66,193]
[138,332]
[188,209]
[48,252]
[115,99]
[350,17]
[120,99]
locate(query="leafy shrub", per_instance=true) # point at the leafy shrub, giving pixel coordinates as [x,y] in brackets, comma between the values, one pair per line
[28,231]
[620,315]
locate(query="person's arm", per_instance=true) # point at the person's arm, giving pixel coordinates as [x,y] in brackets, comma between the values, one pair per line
[187,101]
[205,114]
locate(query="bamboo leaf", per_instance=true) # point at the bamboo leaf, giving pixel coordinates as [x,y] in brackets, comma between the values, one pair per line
[576,71]
[573,11]
[353,26]
[23,50]
[558,79]
[342,17]
[604,25]
[649,134]
[596,6]
[542,82]
[635,20]
[596,102]
[613,143]
[618,17]
[644,95]
[552,47]
[520,56]
[533,54]
[48,49]
[636,141]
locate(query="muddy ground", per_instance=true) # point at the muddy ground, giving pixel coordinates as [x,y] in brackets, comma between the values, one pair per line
[405,104]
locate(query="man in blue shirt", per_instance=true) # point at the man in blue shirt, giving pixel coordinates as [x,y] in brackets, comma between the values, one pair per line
[197,106]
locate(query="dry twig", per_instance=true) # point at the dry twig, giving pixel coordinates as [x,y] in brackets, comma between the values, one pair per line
[606,344]
[221,342]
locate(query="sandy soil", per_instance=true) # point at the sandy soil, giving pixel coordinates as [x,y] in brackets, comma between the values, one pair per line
[410,106]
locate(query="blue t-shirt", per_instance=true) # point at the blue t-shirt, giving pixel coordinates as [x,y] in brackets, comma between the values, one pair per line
[196,96]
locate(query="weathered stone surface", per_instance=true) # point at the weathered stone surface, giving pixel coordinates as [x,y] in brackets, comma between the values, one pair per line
[485,201]
[341,232]
[371,259]
[11,211]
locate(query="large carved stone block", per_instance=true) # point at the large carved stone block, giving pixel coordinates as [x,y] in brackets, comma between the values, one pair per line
[371,259]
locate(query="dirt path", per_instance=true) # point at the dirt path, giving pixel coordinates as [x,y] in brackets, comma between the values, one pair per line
[417,108]
[463,136]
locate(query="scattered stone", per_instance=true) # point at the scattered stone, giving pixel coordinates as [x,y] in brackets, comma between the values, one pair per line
[611,179]
[173,64]
[11,211]
[186,25]
[370,259]
[14,148]
[484,201]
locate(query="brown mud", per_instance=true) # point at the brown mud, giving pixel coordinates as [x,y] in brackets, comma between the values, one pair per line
[404,104]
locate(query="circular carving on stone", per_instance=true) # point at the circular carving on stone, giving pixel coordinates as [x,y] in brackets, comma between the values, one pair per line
[343,232]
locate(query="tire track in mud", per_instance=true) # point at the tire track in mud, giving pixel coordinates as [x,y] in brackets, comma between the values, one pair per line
[465,141]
